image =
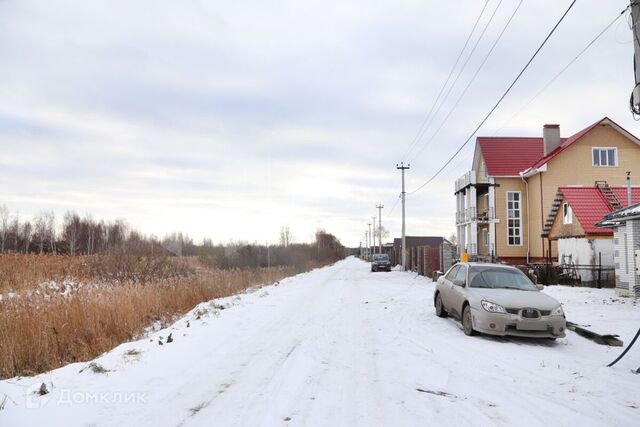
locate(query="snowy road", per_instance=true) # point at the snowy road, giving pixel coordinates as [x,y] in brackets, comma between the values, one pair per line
[341,346]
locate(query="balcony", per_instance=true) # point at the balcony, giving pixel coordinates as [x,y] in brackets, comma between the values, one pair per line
[466,180]
[485,216]
[471,214]
[466,215]
[472,178]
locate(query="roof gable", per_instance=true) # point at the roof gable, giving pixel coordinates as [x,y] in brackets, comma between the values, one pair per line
[509,156]
[567,142]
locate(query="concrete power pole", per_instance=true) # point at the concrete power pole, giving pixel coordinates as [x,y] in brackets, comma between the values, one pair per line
[366,243]
[402,168]
[369,241]
[635,22]
[380,226]
[373,218]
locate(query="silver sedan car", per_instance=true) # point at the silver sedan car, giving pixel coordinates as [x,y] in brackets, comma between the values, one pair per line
[498,300]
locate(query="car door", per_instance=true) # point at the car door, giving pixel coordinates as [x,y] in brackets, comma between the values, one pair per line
[457,293]
[447,286]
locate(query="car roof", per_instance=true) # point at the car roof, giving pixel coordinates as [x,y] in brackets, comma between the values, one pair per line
[485,264]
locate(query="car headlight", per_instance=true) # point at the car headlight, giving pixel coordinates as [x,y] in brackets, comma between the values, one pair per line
[493,307]
[558,311]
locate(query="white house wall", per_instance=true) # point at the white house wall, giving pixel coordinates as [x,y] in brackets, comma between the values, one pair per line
[627,241]
[585,252]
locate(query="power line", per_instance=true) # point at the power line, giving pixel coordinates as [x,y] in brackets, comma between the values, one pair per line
[395,204]
[446,96]
[569,64]
[416,138]
[544,42]
[464,91]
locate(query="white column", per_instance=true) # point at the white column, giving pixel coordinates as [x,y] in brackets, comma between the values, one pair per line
[492,221]
[473,232]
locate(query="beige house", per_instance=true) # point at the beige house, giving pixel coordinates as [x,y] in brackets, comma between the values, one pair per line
[505,203]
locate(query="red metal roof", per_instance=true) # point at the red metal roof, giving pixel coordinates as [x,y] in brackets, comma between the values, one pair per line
[589,206]
[506,156]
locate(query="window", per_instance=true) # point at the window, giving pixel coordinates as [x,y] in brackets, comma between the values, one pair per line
[499,277]
[452,273]
[514,218]
[461,276]
[605,156]
[485,236]
[567,214]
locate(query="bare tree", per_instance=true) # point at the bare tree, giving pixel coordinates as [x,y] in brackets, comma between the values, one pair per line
[15,232]
[50,218]
[453,238]
[27,229]
[4,226]
[286,237]
[41,230]
[90,234]
[385,233]
[71,231]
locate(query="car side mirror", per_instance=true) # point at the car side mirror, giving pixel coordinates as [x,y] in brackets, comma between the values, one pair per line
[540,287]
[459,283]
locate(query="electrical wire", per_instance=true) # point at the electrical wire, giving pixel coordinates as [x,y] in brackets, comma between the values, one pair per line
[464,66]
[464,91]
[416,138]
[569,64]
[395,204]
[633,341]
[486,117]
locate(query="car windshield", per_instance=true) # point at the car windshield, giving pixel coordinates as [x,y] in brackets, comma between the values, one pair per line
[383,257]
[496,277]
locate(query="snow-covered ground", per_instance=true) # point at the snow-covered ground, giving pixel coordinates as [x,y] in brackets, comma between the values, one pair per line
[341,346]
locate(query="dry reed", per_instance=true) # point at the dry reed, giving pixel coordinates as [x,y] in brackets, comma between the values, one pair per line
[45,327]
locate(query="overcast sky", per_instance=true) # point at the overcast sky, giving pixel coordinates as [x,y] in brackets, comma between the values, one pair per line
[228,119]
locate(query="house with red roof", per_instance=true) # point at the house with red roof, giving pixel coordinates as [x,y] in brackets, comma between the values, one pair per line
[588,249]
[504,204]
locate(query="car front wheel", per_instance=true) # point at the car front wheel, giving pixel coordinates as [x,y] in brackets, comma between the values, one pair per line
[440,311]
[466,321]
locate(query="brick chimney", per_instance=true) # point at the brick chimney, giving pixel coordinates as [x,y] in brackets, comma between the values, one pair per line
[551,137]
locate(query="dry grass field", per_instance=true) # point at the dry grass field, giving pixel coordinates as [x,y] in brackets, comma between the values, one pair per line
[60,309]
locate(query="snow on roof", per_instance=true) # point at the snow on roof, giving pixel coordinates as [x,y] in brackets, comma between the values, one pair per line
[621,215]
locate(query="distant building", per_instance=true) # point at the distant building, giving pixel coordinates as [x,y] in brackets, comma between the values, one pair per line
[504,202]
[425,254]
[412,242]
[626,238]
